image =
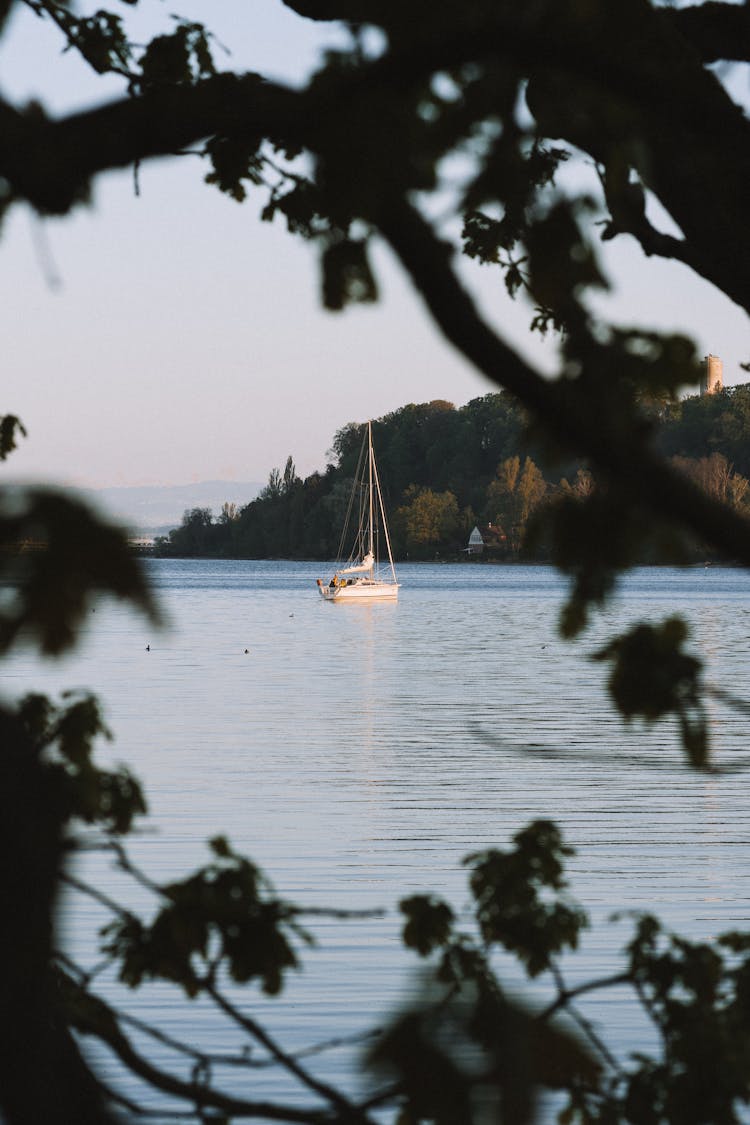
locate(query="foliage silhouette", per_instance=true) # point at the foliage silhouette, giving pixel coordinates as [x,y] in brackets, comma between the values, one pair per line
[353,155]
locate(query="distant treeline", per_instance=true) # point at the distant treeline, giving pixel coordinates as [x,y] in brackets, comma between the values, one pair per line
[445,470]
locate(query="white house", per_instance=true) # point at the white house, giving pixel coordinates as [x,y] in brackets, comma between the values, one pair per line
[476,543]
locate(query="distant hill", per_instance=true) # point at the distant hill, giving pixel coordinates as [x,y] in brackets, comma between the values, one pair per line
[157,508]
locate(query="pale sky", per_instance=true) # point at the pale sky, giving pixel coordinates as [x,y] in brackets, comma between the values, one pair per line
[185,340]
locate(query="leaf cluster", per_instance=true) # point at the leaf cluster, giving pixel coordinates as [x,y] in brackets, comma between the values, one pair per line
[468,1044]
[63,737]
[182,58]
[101,40]
[697,996]
[234,160]
[223,915]
[651,676]
[10,427]
[347,276]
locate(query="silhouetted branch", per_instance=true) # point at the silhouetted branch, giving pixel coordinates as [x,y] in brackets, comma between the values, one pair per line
[650,1010]
[566,995]
[42,1075]
[290,1063]
[685,119]
[627,207]
[125,863]
[95,894]
[68,25]
[242,1059]
[719,32]
[196,1093]
[326,11]
[726,697]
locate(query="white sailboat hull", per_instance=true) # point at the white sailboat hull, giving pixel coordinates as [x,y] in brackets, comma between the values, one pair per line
[361,591]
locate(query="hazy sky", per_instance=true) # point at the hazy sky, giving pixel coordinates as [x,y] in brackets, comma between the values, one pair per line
[185,339]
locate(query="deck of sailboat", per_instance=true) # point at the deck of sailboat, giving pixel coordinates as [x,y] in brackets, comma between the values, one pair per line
[361,589]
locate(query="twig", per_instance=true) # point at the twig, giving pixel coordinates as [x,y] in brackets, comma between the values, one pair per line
[567,994]
[127,865]
[585,1024]
[97,895]
[288,1061]
[200,1095]
[723,696]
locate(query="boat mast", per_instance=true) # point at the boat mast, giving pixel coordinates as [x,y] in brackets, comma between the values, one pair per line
[369,451]
[383,519]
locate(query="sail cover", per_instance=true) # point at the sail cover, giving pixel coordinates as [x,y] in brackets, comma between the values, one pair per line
[367,563]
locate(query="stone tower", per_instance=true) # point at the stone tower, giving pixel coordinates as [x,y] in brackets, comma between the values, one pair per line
[712,377]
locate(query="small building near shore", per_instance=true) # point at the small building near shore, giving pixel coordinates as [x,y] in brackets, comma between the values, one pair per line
[476,543]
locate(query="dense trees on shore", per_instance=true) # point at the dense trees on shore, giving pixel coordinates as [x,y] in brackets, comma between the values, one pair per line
[445,470]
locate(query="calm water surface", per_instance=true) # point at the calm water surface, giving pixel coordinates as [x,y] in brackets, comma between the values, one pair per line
[358,752]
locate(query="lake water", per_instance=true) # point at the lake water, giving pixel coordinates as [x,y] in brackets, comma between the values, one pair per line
[358,752]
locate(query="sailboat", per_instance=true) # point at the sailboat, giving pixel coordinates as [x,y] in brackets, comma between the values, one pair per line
[363,578]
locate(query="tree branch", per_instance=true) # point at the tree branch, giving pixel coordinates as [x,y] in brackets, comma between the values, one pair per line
[627,207]
[719,32]
[197,1094]
[618,78]
[564,1001]
[328,11]
[565,995]
[49,163]
[42,1074]
[346,1108]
